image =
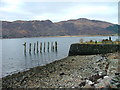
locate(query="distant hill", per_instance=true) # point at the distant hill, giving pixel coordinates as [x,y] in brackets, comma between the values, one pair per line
[35,28]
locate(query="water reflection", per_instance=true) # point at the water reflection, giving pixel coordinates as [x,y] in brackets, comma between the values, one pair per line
[38,58]
[33,59]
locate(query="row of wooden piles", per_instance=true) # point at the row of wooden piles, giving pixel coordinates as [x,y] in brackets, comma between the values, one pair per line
[41,47]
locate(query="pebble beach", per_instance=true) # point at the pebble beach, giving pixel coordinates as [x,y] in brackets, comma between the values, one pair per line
[81,71]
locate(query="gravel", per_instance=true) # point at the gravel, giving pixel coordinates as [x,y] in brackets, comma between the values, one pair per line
[91,71]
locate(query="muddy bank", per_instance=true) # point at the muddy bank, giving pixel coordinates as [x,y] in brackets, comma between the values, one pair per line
[91,71]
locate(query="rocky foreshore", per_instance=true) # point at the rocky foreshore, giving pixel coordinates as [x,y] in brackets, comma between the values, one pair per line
[86,71]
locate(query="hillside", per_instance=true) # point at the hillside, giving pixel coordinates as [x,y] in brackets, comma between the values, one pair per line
[36,28]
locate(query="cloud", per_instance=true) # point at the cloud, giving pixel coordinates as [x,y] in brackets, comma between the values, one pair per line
[100,11]
[10,6]
[71,0]
[58,11]
[93,10]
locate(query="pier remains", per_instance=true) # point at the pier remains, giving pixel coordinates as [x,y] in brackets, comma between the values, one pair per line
[93,47]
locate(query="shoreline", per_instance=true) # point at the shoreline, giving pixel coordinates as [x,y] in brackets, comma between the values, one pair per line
[65,73]
[62,36]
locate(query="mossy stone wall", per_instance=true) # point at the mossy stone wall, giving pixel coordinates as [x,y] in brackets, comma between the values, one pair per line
[89,49]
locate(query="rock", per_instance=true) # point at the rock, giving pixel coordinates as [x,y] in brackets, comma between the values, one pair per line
[62,73]
[87,86]
[73,59]
[82,84]
[117,73]
[61,65]
[60,87]
[99,85]
[99,60]
[89,82]
[100,73]
[99,80]
[105,77]
[50,71]
[115,81]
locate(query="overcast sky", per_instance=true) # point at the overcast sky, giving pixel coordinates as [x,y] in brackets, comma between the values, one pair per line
[55,11]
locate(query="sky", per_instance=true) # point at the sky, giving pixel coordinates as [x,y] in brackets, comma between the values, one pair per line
[11,10]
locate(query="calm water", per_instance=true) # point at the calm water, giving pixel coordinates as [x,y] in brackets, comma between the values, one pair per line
[14,59]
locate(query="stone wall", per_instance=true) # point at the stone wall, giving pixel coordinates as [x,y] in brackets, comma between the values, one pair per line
[89,49]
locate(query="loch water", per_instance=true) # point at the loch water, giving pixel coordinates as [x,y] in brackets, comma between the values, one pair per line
[13,58]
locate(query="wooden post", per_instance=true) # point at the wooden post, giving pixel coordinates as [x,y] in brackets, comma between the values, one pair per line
[34,47]
[24,47]
[56,46]
[51,46]
[41,47]
[48,46]
[44,46]
[30,48]
[37,47]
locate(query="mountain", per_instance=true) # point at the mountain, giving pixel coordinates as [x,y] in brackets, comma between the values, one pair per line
[36,28]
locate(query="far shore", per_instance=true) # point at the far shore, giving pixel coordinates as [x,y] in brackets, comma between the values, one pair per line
[64,36]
